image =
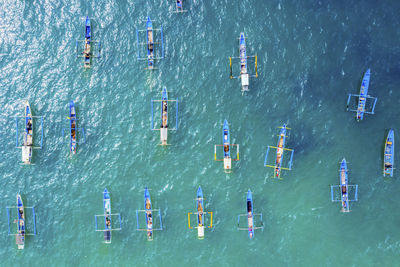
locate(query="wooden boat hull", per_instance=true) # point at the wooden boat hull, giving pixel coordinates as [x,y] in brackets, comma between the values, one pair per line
[226,139]
[244,76]
[150,43]
[249,201]
[20,237]
[388,162]
[88,36]
[343,178]
[363,95]
[107,216]
[28,135]
[72,125]
[280,146]
[200,214]
[148,214]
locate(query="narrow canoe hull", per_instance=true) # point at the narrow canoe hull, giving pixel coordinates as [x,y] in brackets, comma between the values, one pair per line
[226,140]
[28,135]
[148,214]
[389,154]
[249,201]
[150,43]
[244,76]
[107,216]
[363,94]
[72,125]
[88,36]
[20,237]
[280,150]
[200,214]
[343,178]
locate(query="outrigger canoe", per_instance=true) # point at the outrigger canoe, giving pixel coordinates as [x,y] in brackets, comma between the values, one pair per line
[148,213]
[72,119]
[87,51]
[227,146]
[20,237]
[107,216]
[389,154]
[250,221]
[164,117]
[200,213]
[226,140]
[279,151]
[28,135]
[179,7]
[150,43]
[363,95]
[243,63]
[344,186]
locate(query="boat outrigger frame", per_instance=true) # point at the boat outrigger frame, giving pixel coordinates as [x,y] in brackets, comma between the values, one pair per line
[280,151]
[107,232]
[89,51]
[179,6]
[24,145]
[244,74]
[20,240]
[345,200]
[362,99]
[250,217]
[78,131]
[151,53]
[151,211]
[227,159]
[200,213]
[164,116]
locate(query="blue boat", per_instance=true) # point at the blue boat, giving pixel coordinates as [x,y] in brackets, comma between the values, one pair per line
[72,126]
[148,214]
[200,213]
[179,7]
[226,140]
[389,154]
[344,186]
[20,237]
[242,53]
[87,51]
[28,135]
[164,107]
[279,151]
[150,43]
[107,216]
[363,95]
[250,221]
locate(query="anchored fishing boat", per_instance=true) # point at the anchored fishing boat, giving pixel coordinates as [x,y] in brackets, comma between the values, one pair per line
[344,188]
[244,75]
[72,119]
[164,117]
[73,130]
[148,212]
[201,215]
[362,98]
[150,44]
[250,216]
[227,148]
[107,218]
[389,154]
[27,142]
[21,222]
[280,149]
[89,45]
[179,6]
[20,237]
[28,136]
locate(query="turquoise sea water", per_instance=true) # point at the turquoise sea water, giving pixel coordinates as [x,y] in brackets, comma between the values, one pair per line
[310,56]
